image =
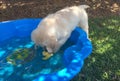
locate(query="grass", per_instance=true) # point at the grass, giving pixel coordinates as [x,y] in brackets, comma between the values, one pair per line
[104,62]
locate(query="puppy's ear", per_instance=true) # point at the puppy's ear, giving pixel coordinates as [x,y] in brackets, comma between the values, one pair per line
[54,38]
[53,41]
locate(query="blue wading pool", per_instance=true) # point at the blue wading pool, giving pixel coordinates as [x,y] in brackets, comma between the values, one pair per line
[19,61]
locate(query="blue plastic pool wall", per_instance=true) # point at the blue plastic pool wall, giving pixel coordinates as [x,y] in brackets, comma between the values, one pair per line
[18,28]
[73,56]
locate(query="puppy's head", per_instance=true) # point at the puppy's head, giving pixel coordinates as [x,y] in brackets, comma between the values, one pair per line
[52,45]
[48,43]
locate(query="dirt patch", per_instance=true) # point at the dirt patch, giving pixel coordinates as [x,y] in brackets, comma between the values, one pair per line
[16,9]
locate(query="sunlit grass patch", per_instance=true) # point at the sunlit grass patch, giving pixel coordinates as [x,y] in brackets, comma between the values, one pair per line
[103,64]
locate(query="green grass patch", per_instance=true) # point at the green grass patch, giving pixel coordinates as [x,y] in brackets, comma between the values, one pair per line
[104,62]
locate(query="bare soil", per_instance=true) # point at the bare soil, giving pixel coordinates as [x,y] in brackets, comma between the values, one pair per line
[17,9]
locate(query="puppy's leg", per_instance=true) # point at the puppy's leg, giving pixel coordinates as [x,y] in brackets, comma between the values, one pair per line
[84,23]
[84,26]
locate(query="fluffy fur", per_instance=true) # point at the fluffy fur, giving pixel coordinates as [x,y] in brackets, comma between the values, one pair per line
[54,30]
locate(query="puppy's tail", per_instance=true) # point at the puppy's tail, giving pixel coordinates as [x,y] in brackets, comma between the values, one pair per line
[84,6]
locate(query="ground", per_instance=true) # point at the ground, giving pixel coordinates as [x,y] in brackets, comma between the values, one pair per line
[104,21]
[16,9]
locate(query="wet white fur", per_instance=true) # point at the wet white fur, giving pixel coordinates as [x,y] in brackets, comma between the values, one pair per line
[54,30]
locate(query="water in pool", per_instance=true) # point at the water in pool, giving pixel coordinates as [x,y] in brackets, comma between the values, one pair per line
[19,61]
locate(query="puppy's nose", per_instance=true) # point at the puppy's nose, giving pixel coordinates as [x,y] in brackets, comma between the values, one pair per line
[45,49]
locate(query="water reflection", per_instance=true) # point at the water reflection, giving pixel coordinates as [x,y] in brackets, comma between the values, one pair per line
[22,62]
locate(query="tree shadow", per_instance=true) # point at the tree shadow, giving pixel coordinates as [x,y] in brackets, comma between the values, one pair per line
[15,9]
[103,63]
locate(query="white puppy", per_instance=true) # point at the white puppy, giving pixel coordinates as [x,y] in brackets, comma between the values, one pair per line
[54,30]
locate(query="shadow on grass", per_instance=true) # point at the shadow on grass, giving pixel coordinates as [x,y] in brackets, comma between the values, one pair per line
[103,63]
